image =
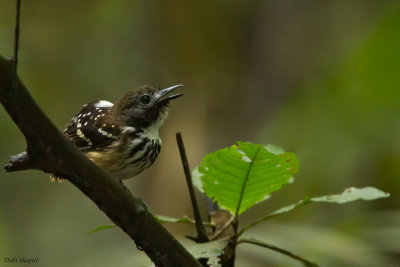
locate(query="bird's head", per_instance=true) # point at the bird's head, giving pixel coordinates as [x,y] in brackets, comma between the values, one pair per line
[144,106]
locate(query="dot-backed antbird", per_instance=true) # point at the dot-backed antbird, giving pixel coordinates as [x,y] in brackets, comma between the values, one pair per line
[122,138]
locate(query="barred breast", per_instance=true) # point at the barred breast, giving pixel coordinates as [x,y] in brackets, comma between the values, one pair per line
[134,152]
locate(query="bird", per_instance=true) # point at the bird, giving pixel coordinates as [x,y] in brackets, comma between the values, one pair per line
[122,138]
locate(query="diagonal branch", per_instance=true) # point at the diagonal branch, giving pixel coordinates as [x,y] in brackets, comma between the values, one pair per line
[50,151]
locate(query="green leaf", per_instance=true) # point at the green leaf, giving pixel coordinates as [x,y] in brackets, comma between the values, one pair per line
[348,195]
[240,176]
[100,228]
[352,194]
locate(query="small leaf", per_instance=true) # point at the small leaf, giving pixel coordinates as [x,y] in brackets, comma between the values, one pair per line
[167,219]
[348,195]
[100,228]
[240,176]
[352,194]
[208,249]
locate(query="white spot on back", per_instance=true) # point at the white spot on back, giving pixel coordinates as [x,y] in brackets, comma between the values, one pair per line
[110,135]
[103,104]
[82,136]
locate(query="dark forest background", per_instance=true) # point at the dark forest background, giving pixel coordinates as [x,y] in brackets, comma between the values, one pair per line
[318,78]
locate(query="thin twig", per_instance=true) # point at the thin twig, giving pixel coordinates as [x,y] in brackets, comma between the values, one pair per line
[280,250]
[219,232]
[201,231]
[16,36]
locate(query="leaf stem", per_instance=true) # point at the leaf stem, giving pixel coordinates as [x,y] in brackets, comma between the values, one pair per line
[243,187]
[277,249]
[201,231]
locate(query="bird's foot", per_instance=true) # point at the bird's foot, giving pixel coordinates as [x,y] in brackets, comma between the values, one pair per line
[55,178]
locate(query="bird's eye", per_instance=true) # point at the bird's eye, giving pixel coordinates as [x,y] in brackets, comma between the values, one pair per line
[145,99]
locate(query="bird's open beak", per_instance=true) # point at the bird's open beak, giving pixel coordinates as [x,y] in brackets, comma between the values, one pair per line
[162,93]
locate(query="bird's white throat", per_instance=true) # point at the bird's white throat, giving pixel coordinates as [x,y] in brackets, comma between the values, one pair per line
[151,132]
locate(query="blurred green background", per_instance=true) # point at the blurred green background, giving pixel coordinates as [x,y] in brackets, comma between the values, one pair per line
[319,78]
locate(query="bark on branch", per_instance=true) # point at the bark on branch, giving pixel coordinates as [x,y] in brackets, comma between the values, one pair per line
[50,151]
